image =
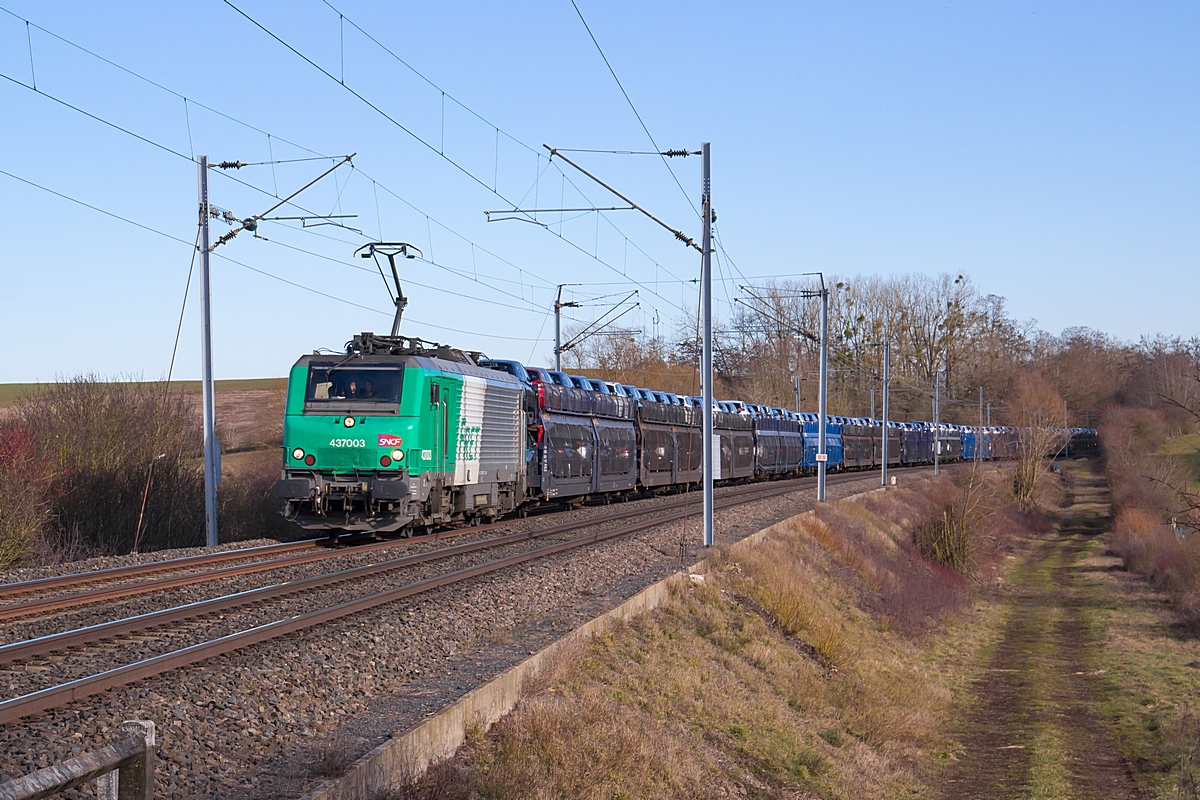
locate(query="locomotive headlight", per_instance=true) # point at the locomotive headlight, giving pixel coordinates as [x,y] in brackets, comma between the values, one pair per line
[297,454]
[349,422]
[397,455]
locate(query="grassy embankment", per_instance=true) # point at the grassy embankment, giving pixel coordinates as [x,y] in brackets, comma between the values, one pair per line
[827,660]
[832,661]
[1146,579]
[1151,670]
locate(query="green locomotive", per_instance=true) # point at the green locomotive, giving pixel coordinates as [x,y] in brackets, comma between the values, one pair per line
[400,434]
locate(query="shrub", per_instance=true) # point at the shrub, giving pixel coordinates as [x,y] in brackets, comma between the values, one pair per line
[104,440]
[945,539]
[1147,489]
[25,477]
[907,590]
[944,533]
[78,457]
[331,756]
[247,509]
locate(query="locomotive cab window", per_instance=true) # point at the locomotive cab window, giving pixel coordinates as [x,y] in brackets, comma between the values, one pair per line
[333,388]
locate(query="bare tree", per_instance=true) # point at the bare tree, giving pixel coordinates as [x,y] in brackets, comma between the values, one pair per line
[1040,434]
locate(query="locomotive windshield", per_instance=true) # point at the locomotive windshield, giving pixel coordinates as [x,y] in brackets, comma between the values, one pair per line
[332,385]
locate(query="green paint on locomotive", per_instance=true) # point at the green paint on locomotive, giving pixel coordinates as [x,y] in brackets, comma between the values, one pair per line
[378,442]
[426,425]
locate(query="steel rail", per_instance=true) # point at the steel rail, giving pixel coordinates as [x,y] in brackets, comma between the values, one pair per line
[36,702]
[65,601]
[78,637]
[75,600]
[113,573]
[45,605]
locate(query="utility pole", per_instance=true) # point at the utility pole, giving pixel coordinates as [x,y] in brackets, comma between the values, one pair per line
[796,381]
[872,404]
[1067,426]
[822,456]
[989,414]
[706,366]
[559,305]
[887,362]
[937,444]
[979,435]
[212,448]
[210,443]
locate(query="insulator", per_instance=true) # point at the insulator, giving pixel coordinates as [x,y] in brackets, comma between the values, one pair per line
[231,165]
[677,153]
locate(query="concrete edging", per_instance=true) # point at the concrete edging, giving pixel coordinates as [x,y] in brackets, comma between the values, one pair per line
[439,736]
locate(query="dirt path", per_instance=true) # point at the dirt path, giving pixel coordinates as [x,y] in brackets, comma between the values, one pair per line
[1033,731]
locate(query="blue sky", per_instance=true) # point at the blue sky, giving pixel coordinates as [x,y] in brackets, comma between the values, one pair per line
[1047,150]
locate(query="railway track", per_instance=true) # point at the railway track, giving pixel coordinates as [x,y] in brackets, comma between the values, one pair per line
[286,555]
[283,556]
[138,570]
[80,637]
[42,700]
[76,579]
[60,642]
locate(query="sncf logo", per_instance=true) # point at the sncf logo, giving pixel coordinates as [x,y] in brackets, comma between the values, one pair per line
[388,440]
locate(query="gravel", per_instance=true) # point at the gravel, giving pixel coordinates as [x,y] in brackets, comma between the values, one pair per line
[247,724]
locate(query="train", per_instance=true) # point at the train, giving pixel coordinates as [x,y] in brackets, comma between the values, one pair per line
[398,434]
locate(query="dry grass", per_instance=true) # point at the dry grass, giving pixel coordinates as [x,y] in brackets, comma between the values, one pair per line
[331,756]
[788,673]
[1170,561]
[245,505]
[1150,677]
[1148,491]
[440,781]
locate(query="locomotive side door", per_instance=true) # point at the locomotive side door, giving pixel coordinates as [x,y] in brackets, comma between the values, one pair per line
[438,426]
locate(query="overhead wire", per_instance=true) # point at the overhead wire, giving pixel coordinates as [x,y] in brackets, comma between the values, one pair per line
[139,137]
[608,152]
[721,246]
[352,265]
[154,83]
[101,120]
[175,238]
[642,122]
[315,154]
[242,264]
[445,94]
[545,317]
[493,189]
[271,136]
[307,230]
[187,287]
[629,100]
[272,161]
